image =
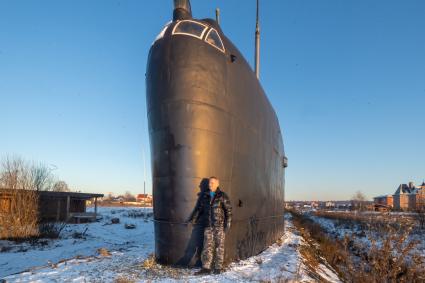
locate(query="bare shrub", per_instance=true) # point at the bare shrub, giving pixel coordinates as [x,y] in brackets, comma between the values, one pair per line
[21,219]
[20,181]
[19,212]
[80,235]
[388,256]
[51,230]
[420,217]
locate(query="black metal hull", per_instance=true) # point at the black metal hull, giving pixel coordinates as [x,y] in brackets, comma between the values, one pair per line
[208,115]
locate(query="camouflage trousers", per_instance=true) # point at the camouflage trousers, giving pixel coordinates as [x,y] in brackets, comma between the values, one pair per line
[213,244]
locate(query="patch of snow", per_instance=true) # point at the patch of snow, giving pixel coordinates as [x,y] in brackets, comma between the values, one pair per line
[101,234]
[77,260]
[363,236]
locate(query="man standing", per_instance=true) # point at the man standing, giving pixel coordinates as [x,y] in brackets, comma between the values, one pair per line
[214,211]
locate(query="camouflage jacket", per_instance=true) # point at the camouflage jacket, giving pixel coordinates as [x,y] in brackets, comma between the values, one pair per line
[216,212]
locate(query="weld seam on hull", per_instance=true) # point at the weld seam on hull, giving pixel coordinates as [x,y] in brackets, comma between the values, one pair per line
[189,101]
[236,220]
[185,177]
[193,128]
[212,106]
[216,133]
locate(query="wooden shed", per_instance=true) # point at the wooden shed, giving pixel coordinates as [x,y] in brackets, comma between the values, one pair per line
[55,206]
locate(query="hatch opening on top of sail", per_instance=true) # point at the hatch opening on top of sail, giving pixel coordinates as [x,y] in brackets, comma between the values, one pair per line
[214,39]
[191,28]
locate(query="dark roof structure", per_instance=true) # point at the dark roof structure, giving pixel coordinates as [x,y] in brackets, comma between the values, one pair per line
[85,196]
[74,195]
[403,189]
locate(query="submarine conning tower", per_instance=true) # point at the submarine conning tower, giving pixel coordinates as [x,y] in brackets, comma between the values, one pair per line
[208,115]
[182,10]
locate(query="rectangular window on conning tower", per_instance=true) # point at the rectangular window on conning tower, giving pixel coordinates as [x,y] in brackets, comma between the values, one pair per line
[214,39]
[190,28]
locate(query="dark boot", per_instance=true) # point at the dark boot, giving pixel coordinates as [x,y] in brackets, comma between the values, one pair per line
[218,271]
[203,271]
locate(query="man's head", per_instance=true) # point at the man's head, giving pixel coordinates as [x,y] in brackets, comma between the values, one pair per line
[213,183]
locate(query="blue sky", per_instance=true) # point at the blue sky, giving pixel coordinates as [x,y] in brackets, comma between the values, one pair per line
[347,80]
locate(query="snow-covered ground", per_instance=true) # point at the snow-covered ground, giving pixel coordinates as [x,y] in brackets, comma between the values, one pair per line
[74,259]
[363,236]
[71,249]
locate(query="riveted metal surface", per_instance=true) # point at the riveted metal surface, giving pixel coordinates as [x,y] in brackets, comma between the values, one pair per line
[208,115]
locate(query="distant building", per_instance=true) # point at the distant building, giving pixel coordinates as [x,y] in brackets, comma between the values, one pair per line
[314,204]
[383,203]
[119,199]
[329,204]
[420,197]
[343,205]
[407,197]
[144,198]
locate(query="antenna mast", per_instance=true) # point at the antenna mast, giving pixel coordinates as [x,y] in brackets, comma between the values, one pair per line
[217,16]
[257,43]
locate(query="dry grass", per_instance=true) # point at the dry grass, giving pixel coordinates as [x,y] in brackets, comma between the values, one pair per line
[124,279]
[21,219]
[390,256]
[420,217]
[149,262]
[322,246]
[19,207]
[366,220]
[103,252]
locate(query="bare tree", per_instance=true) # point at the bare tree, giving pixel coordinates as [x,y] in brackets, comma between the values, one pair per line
[129,197]
[42,177]
[16,173]
[358,200]
[61,186]
[12,173]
